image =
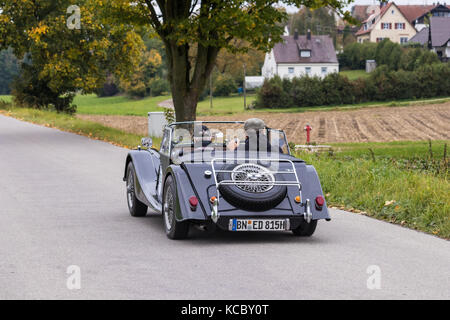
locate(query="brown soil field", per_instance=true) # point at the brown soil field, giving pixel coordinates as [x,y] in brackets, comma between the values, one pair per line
[361,125]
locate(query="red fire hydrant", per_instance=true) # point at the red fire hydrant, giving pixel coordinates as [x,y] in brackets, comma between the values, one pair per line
[308,129]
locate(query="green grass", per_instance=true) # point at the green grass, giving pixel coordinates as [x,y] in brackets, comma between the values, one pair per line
[395,149]
[72,124]
[224,105]
[6,98]
[355,74]
[118,105]
[383,190]
[122,105]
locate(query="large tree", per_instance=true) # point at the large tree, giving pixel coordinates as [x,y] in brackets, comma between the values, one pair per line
[194,31]
[68,48]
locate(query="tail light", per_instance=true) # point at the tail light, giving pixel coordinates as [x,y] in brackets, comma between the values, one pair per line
[320,201]
[193,202]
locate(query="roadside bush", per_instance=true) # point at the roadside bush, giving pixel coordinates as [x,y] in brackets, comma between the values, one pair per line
[383,84]
[272,94]
[224,86]
[158,87]
[29,90]
[307,91]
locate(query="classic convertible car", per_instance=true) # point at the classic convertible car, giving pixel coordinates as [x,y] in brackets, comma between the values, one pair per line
[243,180]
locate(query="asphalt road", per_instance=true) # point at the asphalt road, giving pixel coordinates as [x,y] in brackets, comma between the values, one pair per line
[62,203]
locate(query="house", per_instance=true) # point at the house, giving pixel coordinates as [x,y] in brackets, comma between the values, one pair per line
[416,14]
[436,37]
[300,55]
[389,22]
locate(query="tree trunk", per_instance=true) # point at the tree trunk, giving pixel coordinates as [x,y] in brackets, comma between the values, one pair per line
[187,84]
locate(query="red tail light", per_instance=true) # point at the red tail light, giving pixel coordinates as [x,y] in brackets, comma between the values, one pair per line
[193,202]
[320,201]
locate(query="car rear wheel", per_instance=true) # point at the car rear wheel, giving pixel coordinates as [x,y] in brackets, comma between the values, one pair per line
[305,229]
[174,229]
[136,207]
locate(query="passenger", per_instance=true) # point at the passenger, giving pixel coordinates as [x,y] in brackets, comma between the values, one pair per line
[255,139]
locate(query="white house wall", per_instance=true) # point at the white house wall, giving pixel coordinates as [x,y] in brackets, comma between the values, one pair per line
[300,69]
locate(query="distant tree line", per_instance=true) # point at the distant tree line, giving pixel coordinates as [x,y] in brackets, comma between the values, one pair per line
[385,52]
[432,80]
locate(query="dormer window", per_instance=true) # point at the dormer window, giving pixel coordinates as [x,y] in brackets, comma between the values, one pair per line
[365,26]
[305,53]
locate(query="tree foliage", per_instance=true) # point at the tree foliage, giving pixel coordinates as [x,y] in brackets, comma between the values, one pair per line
[193,33]
[64,60]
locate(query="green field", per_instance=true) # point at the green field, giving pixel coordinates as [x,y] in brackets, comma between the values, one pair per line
[355,74]
[122,105]
[118,105]
[5,98]
[224,105]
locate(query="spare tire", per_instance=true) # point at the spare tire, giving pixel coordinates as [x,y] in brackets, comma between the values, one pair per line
[252,197]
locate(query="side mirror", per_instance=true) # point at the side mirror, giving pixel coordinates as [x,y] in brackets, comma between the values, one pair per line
[147,142]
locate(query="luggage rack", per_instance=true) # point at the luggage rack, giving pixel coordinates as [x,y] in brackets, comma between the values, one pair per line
[291,171]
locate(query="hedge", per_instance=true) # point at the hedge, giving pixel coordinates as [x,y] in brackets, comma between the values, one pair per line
[425,82]
[394,55]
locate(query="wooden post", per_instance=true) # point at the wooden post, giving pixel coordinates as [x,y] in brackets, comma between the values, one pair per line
[210,91]
[245,91]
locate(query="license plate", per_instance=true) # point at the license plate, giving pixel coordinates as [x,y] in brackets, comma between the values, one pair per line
[259,224]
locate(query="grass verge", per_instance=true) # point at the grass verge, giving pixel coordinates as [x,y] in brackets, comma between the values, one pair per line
[355,74]
[400,184]
[68,123]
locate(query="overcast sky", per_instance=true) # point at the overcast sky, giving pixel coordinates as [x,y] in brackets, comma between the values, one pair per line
[292,9]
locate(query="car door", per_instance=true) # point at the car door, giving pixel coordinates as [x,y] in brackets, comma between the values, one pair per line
[164,151]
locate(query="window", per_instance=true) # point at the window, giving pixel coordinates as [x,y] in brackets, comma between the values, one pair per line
[308,70]
[305,53]
[291,70]
[386,25]
[403,40]
[324,70]
[400,25]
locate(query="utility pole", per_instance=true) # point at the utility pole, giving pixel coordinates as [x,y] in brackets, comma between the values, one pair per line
[245,91]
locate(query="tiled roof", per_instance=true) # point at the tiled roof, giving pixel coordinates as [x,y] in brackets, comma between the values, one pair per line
[322,50]
[440,31]
[412,12]
[420,37]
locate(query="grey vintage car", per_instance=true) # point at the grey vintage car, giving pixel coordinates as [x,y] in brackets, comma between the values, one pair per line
[204,174]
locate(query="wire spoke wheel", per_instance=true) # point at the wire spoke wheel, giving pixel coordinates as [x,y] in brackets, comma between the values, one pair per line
[254,177]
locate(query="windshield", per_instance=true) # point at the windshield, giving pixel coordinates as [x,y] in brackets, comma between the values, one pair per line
[188,137]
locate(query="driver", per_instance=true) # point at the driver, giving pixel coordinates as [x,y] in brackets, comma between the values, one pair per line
[204,136]
[254,137]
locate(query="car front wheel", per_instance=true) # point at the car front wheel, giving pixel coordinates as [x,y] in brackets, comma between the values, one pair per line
[137,208]
[174,229]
